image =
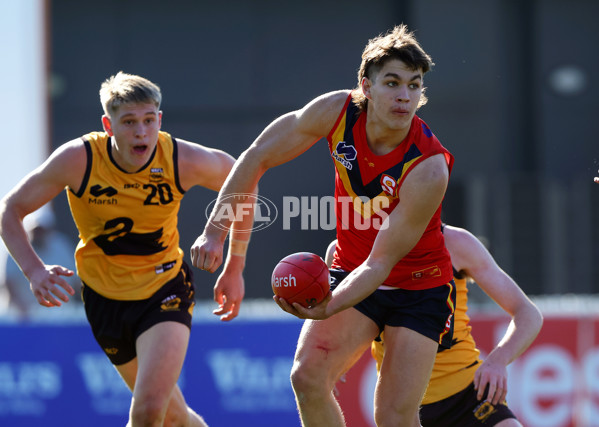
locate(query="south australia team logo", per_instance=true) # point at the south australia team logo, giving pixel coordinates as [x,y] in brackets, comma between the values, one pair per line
[389,185]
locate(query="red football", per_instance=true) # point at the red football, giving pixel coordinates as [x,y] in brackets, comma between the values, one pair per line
[302,277]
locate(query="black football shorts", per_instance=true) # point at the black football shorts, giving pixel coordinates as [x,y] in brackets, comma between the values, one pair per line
[428,311]
[116,325]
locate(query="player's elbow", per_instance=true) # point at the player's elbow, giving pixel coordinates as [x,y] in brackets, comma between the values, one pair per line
[529,314]
[379,268]
[8,214]
[537,318]
[254,158]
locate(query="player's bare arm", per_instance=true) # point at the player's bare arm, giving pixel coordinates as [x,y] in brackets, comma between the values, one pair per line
[283,140]
[420,195]
[469,255]
[203,166]
[64,168]
[209,167]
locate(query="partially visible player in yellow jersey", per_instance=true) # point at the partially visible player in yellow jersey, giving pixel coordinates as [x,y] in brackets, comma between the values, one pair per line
[124,187]
[464,390]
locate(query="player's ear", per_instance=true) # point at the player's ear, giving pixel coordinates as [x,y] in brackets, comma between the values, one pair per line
[107,125]
[366,84]
[160,119]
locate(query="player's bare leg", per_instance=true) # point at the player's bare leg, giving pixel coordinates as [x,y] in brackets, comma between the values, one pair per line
[326,350]
[405,372]
[152,376]
[176,407]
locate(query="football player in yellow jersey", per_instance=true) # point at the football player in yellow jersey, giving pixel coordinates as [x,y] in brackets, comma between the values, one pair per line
[124,187]
[460,380]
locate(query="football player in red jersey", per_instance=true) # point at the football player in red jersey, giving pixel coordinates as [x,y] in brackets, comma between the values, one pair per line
[393,272]
[465,390]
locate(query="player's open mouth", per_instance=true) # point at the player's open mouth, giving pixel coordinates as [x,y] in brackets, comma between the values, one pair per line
[140,149]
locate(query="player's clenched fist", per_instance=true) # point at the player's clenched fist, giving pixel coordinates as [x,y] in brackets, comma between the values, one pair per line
[206,254]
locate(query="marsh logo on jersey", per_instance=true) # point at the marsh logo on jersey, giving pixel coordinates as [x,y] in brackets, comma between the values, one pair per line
[389,185]
[344,154]
[156,174]
[98,191]
[102,195]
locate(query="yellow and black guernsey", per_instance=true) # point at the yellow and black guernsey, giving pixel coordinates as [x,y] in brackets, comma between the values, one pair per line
[454,367]
[127,222]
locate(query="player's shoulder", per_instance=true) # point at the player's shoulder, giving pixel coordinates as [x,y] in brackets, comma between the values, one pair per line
[79,148]
[94,137]
[202,165]
[328,104]
[424,137]
[333,101]
[431,171]
[67,164]
[464,247]
[73,151]
[335,97]
[319,115]
[190,151]
[458,236]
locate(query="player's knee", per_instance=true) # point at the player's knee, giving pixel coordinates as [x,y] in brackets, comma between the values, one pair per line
[177,413]
[298,377]
[176,418]
[148,412]
[302,380]
[309,383]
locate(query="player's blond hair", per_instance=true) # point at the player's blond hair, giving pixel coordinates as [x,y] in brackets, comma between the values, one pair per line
[398,43]
[123,88]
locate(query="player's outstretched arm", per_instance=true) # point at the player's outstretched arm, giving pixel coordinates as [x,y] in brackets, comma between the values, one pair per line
[64,168]
[468,254]
[283,140]
[209,167]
